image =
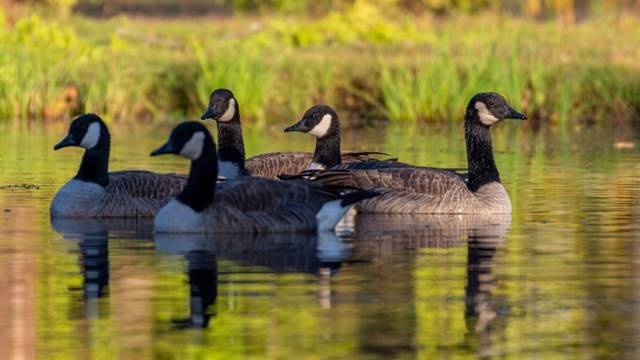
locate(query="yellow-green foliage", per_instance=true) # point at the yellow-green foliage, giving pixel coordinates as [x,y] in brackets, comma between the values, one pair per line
[370,59]
[361,22]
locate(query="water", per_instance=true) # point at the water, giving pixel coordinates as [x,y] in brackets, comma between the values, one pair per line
[557,279]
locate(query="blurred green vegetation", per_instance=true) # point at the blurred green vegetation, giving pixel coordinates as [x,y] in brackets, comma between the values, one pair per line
[410,61]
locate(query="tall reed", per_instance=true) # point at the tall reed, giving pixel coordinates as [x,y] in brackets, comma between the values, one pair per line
[404,69]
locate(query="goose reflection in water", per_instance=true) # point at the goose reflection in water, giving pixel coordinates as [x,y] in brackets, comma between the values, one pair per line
[480,311]
[378,236]
[320,254]
[92,236]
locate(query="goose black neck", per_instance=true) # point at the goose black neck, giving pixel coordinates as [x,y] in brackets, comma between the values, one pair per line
[199,191]
[95,163]
[328,151]
[230,142]
[482,166]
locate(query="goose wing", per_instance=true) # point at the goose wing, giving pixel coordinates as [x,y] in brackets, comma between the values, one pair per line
[405,190]
[146,184]
[270,165]
[139,193]
[258,205]
[256,194]
[358,156]
[374,164]
[370,164]
[408,179]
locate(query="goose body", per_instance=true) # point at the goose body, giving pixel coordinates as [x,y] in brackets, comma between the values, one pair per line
[224,109]
[245,204]
[429,190]
[94,192]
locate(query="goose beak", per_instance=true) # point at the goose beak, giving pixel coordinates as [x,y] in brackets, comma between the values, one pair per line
[67,141]
[299,126]
[164,149]
[209,114]
[512,114]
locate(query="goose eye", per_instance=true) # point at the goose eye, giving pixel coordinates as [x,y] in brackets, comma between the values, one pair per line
[316,116]
[491,102]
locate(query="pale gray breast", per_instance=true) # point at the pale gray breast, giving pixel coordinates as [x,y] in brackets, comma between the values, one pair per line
[177,217]
[78,199]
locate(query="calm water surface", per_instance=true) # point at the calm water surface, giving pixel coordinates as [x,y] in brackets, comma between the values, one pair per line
[559,278]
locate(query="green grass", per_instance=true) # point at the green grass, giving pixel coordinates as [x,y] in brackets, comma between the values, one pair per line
[365,64]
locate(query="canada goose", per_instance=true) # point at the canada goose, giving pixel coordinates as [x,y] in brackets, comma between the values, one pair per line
[323,122]
[224,109]
[246,204]
[94,192]
[424,190]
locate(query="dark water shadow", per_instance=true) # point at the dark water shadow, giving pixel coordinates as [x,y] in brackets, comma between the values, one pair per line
[320,254]
[92,237]
[376,236]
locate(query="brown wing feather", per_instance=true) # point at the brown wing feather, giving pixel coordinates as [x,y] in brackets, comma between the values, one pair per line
[255,194]
[146,184]
[357,156]
[253,204]
[405,190]
[140,193]
[370,164]
[409,179]
[271,165]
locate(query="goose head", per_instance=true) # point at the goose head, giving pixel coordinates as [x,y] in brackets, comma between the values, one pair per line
[490,108]
[86,131]
[223,106]
[189,139]
[319,121]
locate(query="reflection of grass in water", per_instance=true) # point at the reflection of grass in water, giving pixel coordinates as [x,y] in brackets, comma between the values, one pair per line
[406,71]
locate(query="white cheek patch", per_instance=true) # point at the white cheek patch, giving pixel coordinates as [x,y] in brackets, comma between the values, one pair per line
[91,138]
[486,117]
[322,127]
[193,148]
[231,111]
